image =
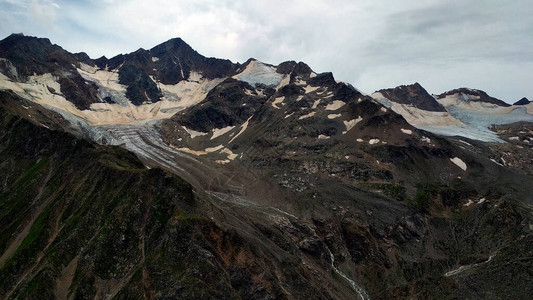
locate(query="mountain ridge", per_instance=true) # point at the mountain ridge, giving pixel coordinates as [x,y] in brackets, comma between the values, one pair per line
[257,181]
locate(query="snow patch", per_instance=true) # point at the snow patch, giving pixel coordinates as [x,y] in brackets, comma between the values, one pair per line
[299,81]
[107,82]
[350,124]
[231,155]
[286,80]
[190,151]
[310,89]
[459,162]
[373,141]
[335,105]
[316,103]
[494,161]
[407,131]
[187,93]
[360,140]
[277,101]
[154,59]
[309,115]
[334,116]
[201,152]
[243,128]
[214,149]
[425,139]
[323,137]
[221,131]
[194,133]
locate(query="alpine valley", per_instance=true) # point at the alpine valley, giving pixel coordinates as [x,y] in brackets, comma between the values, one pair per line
[163,174]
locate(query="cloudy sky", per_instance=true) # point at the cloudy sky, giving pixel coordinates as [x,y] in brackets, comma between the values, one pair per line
[372,44]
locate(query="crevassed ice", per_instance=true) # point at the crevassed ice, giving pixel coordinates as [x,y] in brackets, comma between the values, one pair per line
[257,72]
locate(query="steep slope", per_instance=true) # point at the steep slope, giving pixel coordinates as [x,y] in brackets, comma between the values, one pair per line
[523,101]
[82,220]
[298,187]
[343,161]
[414,95]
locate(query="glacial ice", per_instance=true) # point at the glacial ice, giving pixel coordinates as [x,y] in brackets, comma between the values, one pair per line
[258,73]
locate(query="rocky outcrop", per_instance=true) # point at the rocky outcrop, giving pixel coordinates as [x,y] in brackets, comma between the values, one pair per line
[523,101]
[414,95]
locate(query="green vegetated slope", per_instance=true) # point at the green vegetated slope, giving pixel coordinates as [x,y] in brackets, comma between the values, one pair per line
[66,200]
[84,220]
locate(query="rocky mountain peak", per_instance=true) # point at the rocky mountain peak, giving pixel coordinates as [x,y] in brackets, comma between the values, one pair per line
[523,101]
[295,68]
[174,46]
[413,94]
[32,55]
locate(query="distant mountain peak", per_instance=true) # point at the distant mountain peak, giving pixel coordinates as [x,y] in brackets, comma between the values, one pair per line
[413,94]
[478,96]
[523,101]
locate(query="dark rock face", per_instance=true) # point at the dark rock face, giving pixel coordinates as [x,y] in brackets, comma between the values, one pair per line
[176,56]
[30,55]
[228,104]
[323,79]
[297,69]
[141,88]
[35,55]
[413,94]
[482,96]
[523,101]
[78,91]
[169,63]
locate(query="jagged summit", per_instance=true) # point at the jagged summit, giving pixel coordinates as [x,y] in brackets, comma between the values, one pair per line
[413,94]
[33,55]
[523,101]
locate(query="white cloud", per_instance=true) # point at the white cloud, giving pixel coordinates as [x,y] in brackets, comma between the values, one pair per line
[44,12]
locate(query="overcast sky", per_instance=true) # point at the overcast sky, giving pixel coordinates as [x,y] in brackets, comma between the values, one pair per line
[372,44]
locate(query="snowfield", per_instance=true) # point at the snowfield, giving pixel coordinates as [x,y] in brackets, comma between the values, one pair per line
[258,73]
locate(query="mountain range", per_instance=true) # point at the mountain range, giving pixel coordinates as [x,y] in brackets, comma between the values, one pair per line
[166,174]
